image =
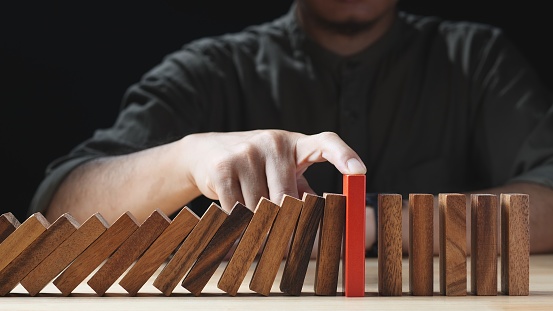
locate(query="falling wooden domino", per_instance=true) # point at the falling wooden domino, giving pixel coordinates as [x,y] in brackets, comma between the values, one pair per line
[217,249]
[8,224]
[515,244]
[41,247]
[331,234]
[63,255]
[190,249]
[295,268]
[389,244]
[421,246]
[96,253]
[275,247]
[128,252]
[483,256]
[248,247]
[453,244]
[353,270]
[159,251]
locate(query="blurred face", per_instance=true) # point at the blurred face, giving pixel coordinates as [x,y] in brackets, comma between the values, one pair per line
[345,16]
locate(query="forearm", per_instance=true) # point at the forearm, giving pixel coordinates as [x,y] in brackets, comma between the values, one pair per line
[138,182]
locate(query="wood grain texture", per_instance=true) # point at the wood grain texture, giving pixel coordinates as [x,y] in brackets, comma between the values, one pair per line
[276,245]
[190,249]
[96,253]
[421,244]
[515,244]
[219,246]
[453,244]
[248,247]
[331,234]
[295,268]
[159,251]
[37,251]
[8,224]
[353,271]
[21,238]
[128,252]
[483,259]
[64,254]
[389,245]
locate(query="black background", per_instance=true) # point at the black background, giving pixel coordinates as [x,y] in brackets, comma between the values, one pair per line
[64,65]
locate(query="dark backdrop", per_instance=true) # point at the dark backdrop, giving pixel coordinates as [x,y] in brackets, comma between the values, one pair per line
[65,65]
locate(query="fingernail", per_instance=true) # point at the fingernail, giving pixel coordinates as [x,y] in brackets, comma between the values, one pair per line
[356,167]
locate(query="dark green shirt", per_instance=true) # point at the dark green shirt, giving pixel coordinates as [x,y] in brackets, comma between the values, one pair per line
[434,106]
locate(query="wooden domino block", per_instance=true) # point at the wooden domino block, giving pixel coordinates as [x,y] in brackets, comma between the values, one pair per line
[63,255]
[159,251]
[331,233]
[515,244]
[303,239]
[483,258]
[389,244]
[190,249]
[276,245]
[37,251]
[21,238]
[421,246]
[96,253]
[248,247]
[453,244]
[353,270]
[129,252]
[8,224]
[217,249]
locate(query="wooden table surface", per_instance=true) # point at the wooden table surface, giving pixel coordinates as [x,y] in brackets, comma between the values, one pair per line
[149,298]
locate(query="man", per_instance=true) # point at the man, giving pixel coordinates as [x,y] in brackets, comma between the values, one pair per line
[417,103]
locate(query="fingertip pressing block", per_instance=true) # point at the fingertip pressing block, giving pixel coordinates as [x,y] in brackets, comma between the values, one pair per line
[159,251]
[248,247]
[216,250]
[331,234]
[275,247]
[453,244]
[8,224]
[128,252]
[303,239]
[96,253]
[353,272]
[421,244]
[515,244]
[483,256]
[389,245]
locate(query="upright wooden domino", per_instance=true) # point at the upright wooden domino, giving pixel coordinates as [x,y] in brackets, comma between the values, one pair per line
[515,244]
[483,257]
[353,270]
[453,244]
[8,224]
[389,245]
[421,246]
[275,247]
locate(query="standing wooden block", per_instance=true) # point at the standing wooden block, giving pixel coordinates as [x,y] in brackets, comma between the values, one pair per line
[248,247]
[129,251]
[515,244]
[453,244]
[190,249]
[421,246]
[217,249]
[389,244]
[276,245]
[63,255]
[331,233]
[96,253]
[159,251]
[8,224]
[56,233]
[304,236]
[483,259]
[21,238]
[353,278]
